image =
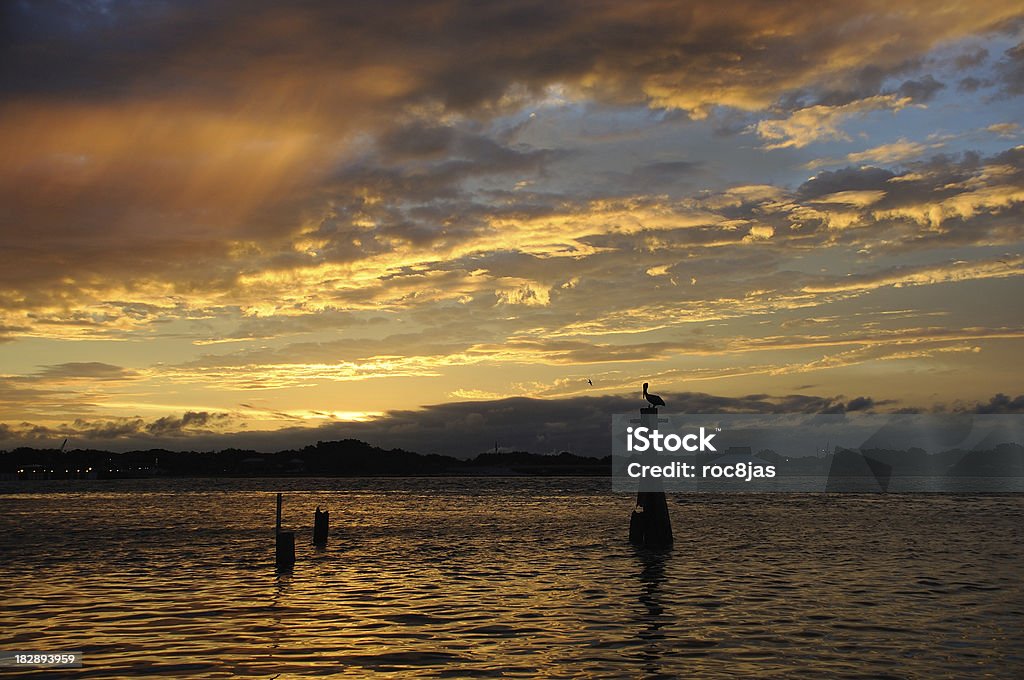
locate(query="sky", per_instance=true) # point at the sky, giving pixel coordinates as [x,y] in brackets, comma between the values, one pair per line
[429,223]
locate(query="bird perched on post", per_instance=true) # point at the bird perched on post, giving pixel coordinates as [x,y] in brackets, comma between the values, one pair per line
[653,398]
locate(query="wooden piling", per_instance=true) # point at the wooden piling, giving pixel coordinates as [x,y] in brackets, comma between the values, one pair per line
[284,542]
[285,557]
[649,524]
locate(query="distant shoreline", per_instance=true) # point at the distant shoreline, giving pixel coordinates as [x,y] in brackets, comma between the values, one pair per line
[346,458]
[353,458]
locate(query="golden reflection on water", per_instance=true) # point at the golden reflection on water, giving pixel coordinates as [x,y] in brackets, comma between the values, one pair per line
[510,578]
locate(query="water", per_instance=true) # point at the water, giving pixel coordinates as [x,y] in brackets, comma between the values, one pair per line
[507,578]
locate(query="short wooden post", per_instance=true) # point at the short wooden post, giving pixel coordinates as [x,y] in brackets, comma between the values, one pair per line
[285,542]
[321,524]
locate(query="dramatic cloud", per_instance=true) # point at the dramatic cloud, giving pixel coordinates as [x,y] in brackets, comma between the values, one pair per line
[922,90]
[332,210]
[1000,404]
[581,425]
[815,123]
[120,433]
[1010,71]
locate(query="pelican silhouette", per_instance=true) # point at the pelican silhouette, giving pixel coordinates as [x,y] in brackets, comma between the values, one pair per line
[590,382]
[653,398]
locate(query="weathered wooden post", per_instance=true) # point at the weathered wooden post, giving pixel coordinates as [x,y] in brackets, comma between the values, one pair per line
[285,543]
[649,524]
[321,523]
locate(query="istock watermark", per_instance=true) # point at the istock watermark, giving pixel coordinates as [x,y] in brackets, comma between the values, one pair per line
[818,453]
[644,439]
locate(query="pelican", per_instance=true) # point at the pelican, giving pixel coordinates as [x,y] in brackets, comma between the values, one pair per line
[590,382]
[653,398]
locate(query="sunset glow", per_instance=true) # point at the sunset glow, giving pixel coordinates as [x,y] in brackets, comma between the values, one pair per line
[270,224]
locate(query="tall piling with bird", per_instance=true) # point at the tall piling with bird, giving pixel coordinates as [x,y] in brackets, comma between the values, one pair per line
[649,524]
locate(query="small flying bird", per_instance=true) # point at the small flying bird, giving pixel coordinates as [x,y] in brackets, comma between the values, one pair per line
[590,382]
[653,398]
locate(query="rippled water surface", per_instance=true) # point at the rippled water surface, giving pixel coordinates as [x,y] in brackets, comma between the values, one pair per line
[508,578]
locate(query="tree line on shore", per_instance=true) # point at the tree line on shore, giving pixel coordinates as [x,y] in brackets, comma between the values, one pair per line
[355,458]
[348,457]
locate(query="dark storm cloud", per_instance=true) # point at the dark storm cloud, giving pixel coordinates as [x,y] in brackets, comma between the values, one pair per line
[1000,403]
[868,82]
[463,429]
[971,58]
[187,423]
[113,429]
[463,54]
[846,179]
[859,404]
[418,140]
[582,424]
[168,148]
[1010,71]
[436,172]
[972,84]
[922,90]
[124,432]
